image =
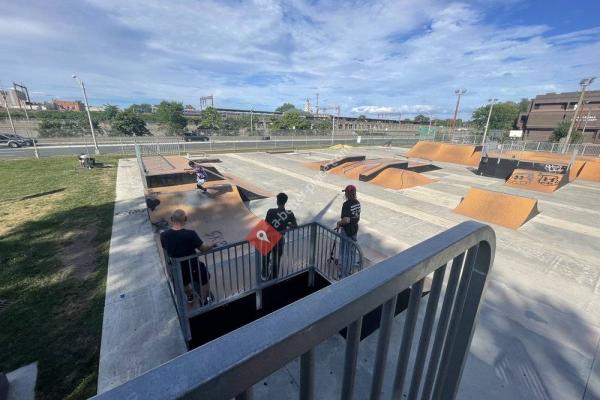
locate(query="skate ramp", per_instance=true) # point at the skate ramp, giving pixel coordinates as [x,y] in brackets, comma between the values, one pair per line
[465,154]
[326,165]
[424,149]
[367,169]
[538,181]
[584,168]
[218,216]
[590,171]
[498,208]
[393,178]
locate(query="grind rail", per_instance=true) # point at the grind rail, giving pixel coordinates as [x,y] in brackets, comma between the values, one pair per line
[236,270]
[231,365]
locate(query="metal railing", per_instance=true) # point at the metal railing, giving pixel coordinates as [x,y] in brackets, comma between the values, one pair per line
[582,149]
[231,365]
[235,270]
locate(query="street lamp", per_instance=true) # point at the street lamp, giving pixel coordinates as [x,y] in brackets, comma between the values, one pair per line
[487,124]
[458,93]
[584,84]
[87,109]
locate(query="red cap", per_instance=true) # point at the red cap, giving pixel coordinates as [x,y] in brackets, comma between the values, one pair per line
[350,189]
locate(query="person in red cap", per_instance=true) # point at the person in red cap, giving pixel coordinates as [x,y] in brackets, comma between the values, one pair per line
[348,227]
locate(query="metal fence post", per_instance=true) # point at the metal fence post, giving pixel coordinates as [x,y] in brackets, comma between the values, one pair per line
[258,263]
[313,255]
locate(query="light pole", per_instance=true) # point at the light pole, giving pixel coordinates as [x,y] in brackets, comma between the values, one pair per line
[587,118]
[584,84]
[332,128]
[487,124]
[458,93]
[251,111]
[87,109]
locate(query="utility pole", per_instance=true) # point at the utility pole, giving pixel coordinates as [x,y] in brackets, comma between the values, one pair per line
[332,128]
[458,93]
[584,84]
[87,109]
[251,111]
[317,104]
[3,93]
[587,118]
[487,124]
[35,150]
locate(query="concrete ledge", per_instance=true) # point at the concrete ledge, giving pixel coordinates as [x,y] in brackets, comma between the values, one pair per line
[140,329]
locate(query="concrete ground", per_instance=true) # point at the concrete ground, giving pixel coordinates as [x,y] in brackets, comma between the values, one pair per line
[140,328]
[538,334]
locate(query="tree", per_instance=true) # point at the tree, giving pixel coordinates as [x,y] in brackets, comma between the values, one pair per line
[210,118]
[143,108]
[286,107]
[504,115]
[110,112]
[421,119]
[170,115]
[129,123]
[562,129]
[361,118]
[524,105]
[292,119]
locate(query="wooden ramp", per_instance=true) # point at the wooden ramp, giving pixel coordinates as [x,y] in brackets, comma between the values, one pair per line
[218,216]
[498,208]
[538,181]
[393,178]
[327,165]
[465,154]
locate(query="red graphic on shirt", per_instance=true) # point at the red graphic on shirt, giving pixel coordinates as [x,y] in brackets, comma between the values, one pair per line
[263,237]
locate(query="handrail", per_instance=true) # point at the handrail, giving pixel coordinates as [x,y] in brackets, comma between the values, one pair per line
[234,269]
[231,365]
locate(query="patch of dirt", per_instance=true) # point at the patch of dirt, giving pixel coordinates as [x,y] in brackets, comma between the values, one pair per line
[78,254]
[15,213]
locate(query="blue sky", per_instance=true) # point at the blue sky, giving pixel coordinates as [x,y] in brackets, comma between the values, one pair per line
[404,56]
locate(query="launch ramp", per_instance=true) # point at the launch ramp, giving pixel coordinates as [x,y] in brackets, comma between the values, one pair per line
[498,208]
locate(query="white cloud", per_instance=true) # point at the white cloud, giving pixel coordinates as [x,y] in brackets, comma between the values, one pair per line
[405,56]
[403,109]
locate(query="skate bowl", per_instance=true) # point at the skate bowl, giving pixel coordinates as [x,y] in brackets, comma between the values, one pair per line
[538,181]
[218,216]
[498,208]
[465,154]
[393,178]
[160,171]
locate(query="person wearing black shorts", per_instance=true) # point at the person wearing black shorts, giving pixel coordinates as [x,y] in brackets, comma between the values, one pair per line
[180,242]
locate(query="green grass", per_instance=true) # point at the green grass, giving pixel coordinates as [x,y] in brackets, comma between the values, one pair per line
[48,208]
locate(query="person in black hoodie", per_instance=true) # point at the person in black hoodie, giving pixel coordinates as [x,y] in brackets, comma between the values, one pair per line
[348,228]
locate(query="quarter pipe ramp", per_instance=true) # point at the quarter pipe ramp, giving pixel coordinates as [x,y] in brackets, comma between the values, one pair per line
[466,154]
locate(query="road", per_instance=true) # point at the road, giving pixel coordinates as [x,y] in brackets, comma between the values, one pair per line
[180,147]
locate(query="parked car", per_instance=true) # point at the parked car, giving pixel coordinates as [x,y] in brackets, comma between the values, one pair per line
[266,138]
[14,141]
[195,137]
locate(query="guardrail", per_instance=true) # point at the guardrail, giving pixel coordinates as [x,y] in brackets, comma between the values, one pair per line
[229,272]
[230,366]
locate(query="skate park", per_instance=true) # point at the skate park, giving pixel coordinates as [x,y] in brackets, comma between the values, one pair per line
[537,314]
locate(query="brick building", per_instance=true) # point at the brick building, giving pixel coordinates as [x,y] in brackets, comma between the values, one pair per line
[65,105]
[546,111]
